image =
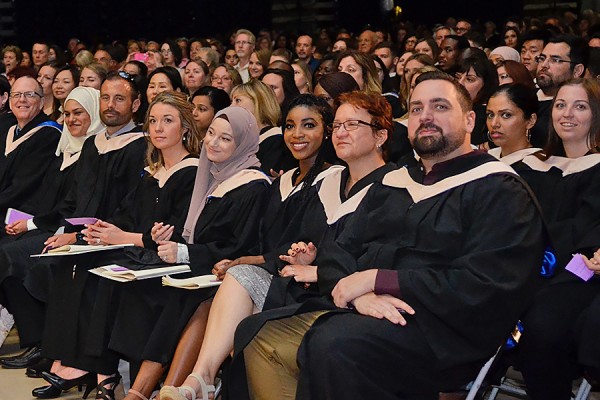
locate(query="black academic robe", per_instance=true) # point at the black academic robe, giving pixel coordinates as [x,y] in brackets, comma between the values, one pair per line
[151,317]
[101,183]
[539,132]
[163,198]
[324,214]
[479,133]
[459,264]
[324,217]
[103,180]
[463,268]
[278,226]
[398,144]
[22,170]
[15,250]
[547,350]
[272,151]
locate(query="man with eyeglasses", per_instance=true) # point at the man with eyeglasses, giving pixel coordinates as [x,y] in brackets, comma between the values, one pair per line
[563,58]
[109,166]
[27,148]
[244,46]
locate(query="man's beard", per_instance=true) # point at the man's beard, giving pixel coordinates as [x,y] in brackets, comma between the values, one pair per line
[433,145]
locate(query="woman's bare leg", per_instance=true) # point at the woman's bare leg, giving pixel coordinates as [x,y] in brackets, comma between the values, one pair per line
[230,306]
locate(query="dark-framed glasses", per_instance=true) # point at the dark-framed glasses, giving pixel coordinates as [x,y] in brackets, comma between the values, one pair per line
[350,125]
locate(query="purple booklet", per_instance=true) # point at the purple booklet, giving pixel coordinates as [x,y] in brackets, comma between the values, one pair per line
[577,267]
[13,216]
[82,221]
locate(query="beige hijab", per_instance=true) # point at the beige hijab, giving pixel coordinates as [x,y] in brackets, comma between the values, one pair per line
[210,175]
[70,146]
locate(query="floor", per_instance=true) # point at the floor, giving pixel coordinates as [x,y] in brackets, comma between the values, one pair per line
[14,385]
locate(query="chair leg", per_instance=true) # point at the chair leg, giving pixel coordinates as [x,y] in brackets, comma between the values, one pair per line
[584,390]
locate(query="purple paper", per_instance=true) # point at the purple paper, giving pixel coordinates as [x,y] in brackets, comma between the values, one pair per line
[82,221]
[118,269]
[577,267]
[13,216]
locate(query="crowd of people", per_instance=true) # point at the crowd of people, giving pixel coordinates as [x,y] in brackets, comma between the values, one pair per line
[378,209]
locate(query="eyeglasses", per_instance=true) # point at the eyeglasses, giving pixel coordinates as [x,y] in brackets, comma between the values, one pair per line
[350,125]
[28,95]
[166,51]
[552,60]
[224,78]
[242,43]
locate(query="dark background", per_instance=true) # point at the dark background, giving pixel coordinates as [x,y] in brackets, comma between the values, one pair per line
[99,21]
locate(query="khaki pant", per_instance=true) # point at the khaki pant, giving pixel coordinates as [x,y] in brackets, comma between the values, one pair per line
[270,357]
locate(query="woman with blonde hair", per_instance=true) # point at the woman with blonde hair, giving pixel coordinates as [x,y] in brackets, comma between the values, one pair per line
[259,99]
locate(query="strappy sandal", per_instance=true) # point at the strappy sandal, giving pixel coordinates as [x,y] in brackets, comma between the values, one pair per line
[137,394]
[179,393]
[105,393]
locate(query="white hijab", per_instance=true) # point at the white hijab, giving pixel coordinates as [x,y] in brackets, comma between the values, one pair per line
[70,146]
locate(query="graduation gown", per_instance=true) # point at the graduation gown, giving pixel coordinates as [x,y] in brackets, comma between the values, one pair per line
[24,162]
[457,262]
[324,217]
[466,272]
[15,250]
[272,151]
[101,183]
[547,351]
[285,208]
[150,317]
[165,196]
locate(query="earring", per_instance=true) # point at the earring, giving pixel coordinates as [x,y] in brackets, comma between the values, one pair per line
[378,146]
[528,135]
[489,136]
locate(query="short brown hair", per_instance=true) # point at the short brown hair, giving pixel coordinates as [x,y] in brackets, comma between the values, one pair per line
[464,99]
[377,106]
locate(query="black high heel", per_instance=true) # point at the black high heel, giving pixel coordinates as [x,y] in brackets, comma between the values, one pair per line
[105,393]
[89,380]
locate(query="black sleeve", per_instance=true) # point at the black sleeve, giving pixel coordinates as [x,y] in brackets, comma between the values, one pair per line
[233,227]
[26,172]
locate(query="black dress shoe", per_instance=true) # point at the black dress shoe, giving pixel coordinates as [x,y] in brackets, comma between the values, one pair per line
[35,371]
[23,354]
[46,392]
[25,360]
[89,380]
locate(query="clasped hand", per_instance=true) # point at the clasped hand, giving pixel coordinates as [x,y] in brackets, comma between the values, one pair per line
[103,233]
[358,289]
[16,227]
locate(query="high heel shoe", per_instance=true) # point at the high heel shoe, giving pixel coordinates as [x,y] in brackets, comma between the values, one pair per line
[89,380]
[46,392]
[105,393]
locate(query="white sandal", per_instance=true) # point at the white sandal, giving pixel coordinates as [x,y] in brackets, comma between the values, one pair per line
[179,393]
